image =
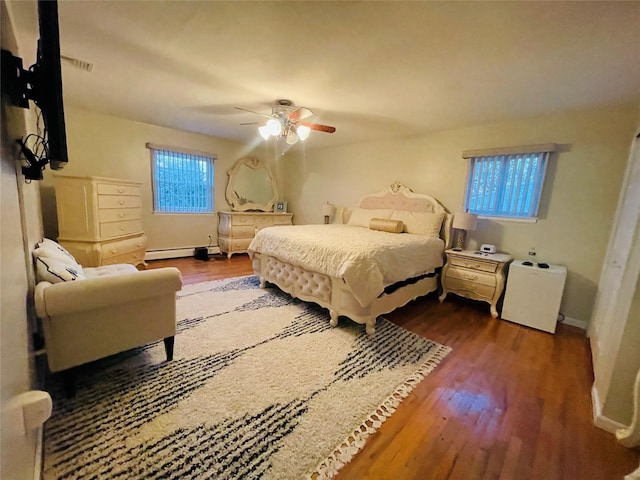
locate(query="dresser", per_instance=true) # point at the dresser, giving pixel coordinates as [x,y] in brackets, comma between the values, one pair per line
[475,275]
[100,220]
[237,229]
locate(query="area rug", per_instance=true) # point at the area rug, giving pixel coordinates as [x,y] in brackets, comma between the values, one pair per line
[260,387]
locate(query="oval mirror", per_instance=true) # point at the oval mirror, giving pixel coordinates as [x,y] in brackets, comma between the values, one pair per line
[251,186]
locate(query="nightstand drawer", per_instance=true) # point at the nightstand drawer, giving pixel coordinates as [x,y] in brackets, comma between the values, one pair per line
[470,289]
[475,276]
[474,264]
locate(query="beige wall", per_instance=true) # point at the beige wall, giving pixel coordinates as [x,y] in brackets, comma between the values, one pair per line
[107,146]
[21,227]
[578,202]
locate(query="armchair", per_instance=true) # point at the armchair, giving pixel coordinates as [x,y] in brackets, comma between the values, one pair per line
[91,313]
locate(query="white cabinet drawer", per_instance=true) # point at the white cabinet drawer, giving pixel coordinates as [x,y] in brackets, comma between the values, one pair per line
[118,214]
[120,247]
[114,201]
[470,289]
[110,189]
[472,276]
[118,229]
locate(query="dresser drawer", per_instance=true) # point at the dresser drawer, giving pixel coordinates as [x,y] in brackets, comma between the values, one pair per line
[118,214]
[110,189]
[470,289]
[133,258]
[115,201]
[476,276]
[237,244]
[282,220]
[242,231]
[121,247]
[252,220]
[474,264]
[118,229]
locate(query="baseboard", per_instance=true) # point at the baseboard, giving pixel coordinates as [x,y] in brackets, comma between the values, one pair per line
[574,322]
[599,420]
[175,253]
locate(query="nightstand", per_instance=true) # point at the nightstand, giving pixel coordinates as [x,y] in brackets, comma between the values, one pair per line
[476,275]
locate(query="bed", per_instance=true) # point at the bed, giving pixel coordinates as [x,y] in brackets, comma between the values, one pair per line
[374,258]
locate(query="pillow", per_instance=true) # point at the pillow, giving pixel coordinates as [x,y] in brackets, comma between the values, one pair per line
[46,251]
[56,271]
[386,225]
[46,242]
[362,216]
[421,223]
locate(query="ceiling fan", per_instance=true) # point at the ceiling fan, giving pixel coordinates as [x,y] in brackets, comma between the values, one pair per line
[286,120]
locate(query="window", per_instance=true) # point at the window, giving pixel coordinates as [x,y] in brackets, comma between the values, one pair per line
[182,180]
[506,182]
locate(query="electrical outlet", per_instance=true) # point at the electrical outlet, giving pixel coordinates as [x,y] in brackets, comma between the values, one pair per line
[532,251]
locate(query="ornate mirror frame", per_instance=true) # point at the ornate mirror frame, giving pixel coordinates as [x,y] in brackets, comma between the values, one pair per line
[245,170]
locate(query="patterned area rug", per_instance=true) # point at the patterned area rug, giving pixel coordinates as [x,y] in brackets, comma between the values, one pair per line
[260,387]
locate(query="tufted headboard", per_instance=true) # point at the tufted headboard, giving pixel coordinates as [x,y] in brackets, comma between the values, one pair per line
[399,197]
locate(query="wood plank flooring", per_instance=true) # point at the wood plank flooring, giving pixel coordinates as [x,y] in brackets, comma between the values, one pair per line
[508,402]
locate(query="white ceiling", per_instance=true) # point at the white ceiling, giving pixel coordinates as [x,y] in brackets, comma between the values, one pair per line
[371,69]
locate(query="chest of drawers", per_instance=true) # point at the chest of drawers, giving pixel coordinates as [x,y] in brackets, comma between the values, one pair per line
[475,275]
[100,220]
[237,229]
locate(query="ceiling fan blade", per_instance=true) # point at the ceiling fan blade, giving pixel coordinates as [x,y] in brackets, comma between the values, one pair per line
[319,128]
[299,113]
[251,111]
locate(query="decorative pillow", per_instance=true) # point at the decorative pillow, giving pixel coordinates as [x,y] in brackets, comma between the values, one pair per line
[421,223]
[56,271]
[386,225]
[47,242]
[362,216]
[47,251]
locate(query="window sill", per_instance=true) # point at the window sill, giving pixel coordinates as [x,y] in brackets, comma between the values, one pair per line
[510,219]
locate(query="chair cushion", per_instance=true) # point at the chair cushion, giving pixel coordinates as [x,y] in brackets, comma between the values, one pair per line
[119,268]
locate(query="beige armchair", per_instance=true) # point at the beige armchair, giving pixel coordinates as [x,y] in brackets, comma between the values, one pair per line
[91,313]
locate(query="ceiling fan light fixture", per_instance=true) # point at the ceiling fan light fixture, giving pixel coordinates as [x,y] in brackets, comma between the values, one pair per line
[292,137]
[275,127]
[303,132]
[264,131]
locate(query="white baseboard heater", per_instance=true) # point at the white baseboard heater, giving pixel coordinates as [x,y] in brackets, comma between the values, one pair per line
[175,253]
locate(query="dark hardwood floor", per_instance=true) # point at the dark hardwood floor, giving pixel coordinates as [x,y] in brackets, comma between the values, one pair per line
[508,402]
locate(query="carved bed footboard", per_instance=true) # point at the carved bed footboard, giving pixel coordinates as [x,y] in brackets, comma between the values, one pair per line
[333,294]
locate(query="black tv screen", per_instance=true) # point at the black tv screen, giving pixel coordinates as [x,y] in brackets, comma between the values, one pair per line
[48,84]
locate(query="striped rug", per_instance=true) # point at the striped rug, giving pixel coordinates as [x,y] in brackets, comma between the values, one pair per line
[260,387]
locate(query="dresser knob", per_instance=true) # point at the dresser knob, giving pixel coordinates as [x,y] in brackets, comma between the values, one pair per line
[122,228]
[121,202]
[122,215]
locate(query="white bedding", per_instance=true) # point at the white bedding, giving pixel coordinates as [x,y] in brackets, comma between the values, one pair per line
[367,260]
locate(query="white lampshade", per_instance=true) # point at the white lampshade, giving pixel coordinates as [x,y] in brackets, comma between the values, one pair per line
[303,132]
[292,138]
[465,221]
[264,132]
[275,127]
[328,210]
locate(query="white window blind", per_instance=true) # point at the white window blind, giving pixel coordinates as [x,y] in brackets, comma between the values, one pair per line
[507,184]
[182,181]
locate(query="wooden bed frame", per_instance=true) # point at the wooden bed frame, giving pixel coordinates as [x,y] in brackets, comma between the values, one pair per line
[331,292]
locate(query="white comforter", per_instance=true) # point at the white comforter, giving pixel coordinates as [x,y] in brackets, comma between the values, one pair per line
[367,260]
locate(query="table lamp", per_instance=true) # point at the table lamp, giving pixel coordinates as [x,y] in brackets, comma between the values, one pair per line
[463,221]
[328,211]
